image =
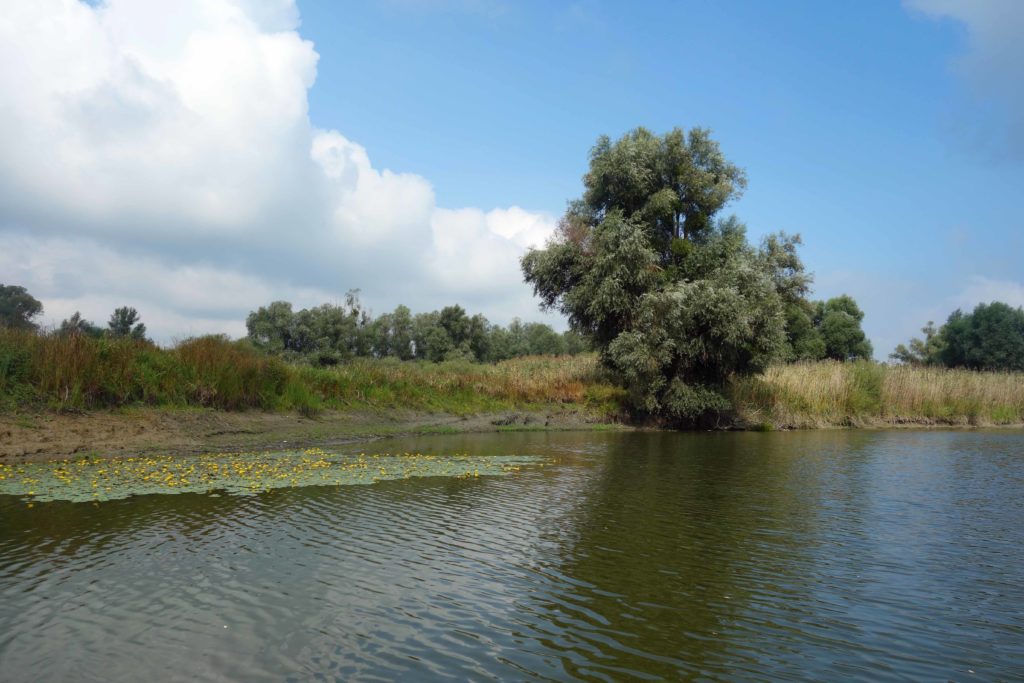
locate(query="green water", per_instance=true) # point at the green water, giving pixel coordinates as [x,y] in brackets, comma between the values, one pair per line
[605,556]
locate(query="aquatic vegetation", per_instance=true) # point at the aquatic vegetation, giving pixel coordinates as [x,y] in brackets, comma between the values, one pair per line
[89,479]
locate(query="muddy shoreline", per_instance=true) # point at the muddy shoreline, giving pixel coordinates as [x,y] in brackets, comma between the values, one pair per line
[124,433]
[35,437]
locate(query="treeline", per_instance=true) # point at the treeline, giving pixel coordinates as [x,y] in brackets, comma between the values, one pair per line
[989,338]
[331,334]
[19,311]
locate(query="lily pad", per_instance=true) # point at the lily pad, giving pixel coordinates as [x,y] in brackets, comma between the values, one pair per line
[236,473]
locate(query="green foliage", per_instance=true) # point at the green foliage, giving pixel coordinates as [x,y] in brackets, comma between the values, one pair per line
[674,300]
[803,339]
[18,308]
[270,327]
[865,396]
[989,338]
[329,335]
[672,185]
[838,320]
[76,324]
[124,322]
[79,372]
[927,351]
[392,334]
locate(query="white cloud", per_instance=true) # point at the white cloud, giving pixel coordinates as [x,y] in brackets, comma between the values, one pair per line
[983,290]
[78,274]
[160,154]
[992,66]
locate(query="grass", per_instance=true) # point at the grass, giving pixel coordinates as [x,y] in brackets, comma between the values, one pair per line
[74,373]
[77,373]
[824,394]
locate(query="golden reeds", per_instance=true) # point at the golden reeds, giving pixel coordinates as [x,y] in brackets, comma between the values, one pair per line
[832,393]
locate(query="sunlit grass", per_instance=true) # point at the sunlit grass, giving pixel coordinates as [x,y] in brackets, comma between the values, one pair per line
[831,393]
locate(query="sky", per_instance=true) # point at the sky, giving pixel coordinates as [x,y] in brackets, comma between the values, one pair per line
[198,159]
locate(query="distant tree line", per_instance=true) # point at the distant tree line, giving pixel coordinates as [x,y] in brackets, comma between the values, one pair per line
[19,310]
[331,334]
[989,338]
[124,322]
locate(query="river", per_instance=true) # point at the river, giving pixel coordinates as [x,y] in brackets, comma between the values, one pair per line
[831,555]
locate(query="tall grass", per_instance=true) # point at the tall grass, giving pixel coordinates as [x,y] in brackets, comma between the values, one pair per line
[79,372]
[862,393]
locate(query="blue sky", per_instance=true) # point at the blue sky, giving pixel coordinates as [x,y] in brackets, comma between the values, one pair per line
[845,116]
[887,134]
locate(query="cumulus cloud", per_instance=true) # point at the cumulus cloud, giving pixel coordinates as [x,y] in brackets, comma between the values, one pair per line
[160,154]
[992,66]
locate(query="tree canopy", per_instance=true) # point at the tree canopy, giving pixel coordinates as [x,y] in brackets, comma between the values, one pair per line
[991,337]
[674,297]
[839,323]
[329,334]
[18,308]
[124,322]
[76,324]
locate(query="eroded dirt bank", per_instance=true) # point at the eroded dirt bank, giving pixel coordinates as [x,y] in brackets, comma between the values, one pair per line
[122,433]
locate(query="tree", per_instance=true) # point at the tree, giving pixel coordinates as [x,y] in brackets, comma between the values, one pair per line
[323,335]
[575,343]
[839,322]
[674,300]
[270,327]
[925,351]
[803,339]
[989,338]
[392,334]
[18,308]
[76,324]
[431,341]
[124,322]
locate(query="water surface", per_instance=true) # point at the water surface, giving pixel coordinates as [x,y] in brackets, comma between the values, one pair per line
[628,556]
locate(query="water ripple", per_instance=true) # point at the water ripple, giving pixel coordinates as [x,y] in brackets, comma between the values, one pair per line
[861,556]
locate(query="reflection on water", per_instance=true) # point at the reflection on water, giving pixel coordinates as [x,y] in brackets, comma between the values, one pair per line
[817,555]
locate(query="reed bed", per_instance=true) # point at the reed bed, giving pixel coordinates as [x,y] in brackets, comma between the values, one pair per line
[529,380]
[865,393]
[79,372]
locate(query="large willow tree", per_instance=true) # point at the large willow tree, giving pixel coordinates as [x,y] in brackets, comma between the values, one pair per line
[674,298]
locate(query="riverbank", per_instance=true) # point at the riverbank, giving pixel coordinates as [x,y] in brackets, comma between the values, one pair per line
[141,431]
[74,396]
[867,394]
